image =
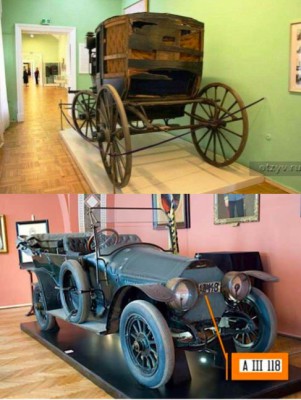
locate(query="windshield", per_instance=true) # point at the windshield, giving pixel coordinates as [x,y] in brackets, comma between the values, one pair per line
[116,227]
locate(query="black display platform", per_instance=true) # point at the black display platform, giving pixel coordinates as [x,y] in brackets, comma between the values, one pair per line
[100,359]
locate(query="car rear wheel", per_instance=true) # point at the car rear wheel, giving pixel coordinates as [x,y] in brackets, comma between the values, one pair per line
[75,291]
[262,315]
[147,343]
[46,321]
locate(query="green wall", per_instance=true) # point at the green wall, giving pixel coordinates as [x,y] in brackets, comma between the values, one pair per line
[45,44]
[247,46]
[85,15]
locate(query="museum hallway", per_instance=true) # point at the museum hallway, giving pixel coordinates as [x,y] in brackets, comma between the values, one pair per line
[34,158]
[28,369]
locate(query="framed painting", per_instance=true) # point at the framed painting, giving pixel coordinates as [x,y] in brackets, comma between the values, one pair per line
[236,208]
[30,228]
[295,61]
[138,6]
[182,209]
[3,240]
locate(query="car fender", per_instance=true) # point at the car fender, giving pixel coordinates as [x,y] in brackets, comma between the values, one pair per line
[155,292]
[264,276]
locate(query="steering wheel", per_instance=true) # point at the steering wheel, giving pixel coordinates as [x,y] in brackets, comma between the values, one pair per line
[104,240]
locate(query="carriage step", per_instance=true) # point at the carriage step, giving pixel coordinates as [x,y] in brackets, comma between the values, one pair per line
[97,326]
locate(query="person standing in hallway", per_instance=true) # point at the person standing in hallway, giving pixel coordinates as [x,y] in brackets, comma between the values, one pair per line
[37,75]
[25,76]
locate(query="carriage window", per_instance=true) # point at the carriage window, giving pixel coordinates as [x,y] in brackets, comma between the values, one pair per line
[141,24]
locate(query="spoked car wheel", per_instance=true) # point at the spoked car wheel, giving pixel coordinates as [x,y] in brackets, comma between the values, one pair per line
[223,135]
[84,114]
[263,326]
[114,136]
[46,321]
[147,343]
[74,291]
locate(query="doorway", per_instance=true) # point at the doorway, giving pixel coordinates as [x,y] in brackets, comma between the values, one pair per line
[70,58]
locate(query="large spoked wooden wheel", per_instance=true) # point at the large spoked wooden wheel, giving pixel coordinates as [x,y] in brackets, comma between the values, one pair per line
[84,114]
[114,136]
[222,138]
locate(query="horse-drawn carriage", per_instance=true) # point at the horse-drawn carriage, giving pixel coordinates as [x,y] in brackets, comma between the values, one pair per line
[146,71]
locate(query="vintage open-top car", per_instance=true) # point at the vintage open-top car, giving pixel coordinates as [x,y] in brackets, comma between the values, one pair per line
[109,281]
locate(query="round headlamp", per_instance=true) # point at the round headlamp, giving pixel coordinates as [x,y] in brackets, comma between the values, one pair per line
[185,293]
[236,286]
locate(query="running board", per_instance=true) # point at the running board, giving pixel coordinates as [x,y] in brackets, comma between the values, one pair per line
[92,324]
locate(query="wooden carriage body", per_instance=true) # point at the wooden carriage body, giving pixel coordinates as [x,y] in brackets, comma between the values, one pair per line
[148,56]
[146,71]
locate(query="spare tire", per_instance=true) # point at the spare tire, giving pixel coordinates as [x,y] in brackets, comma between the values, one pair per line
[75,291]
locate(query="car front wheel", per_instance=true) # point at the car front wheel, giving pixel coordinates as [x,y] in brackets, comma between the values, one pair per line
[147,343]
[258,308]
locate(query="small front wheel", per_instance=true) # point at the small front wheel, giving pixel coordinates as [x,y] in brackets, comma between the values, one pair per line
[84,114]
[219,125]
[147,344]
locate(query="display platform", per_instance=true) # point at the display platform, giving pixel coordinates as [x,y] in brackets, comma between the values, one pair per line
[169,168]
[100,359]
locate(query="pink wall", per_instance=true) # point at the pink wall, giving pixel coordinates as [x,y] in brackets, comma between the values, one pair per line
[14,283]
[276,237]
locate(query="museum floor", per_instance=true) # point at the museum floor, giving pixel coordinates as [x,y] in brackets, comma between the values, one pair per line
[34,158]
[29,370]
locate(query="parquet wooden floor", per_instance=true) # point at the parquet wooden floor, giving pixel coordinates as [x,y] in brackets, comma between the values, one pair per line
[262,188]
[34,158]
[29,370]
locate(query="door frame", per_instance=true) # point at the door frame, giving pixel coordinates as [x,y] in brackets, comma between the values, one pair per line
[29,28]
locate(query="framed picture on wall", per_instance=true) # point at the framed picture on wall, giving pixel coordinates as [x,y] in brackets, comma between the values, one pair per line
[295,62]
[3,241]
[30,228]
[138,6]
[235,208]
[182,209]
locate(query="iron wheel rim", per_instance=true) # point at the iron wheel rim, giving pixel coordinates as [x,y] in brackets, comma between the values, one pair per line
[223,136]
[114,136]
[249,339]
[142,346]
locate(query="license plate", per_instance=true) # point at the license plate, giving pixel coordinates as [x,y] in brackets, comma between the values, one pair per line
[210,287]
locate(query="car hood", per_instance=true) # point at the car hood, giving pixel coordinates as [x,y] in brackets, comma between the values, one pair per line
[148,263]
